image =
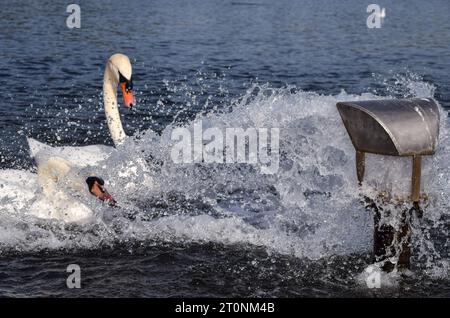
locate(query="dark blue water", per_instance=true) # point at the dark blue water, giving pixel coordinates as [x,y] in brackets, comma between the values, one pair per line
[199,57]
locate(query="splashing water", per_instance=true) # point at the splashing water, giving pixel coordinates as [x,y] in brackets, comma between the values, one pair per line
[311,208]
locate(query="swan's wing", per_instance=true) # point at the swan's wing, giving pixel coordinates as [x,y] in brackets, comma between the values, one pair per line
[36,146]
[84,156]
[79,156]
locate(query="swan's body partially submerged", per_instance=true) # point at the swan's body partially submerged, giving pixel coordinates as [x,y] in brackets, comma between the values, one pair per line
[61,206]
[65,190]
[53,193]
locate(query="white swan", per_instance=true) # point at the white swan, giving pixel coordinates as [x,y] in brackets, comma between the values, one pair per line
[63,171]
[64,189]
[60,174]
[118,70]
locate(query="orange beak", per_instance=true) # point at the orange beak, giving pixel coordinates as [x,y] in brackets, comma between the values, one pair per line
[128,96]
[100,192]
[105,196]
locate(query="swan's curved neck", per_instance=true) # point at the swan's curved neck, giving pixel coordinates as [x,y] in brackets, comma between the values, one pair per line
[110,83]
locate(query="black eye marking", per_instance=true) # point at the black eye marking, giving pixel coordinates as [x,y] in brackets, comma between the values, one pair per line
[128,83]
[122,78]
[91,181]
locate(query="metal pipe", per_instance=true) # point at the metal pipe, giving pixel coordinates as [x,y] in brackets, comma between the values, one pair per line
[360,165]
[415,180]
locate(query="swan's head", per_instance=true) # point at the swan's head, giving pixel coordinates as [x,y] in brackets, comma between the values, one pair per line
[96,187]
[120,66]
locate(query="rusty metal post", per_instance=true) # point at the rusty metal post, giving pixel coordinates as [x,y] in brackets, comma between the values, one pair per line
[360,165]
[415,180]
[392,246]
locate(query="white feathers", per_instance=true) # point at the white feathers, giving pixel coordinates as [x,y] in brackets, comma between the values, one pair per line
[78,156]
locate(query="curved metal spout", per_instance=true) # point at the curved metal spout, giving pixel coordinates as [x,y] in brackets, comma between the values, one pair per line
[403,127]
[398,127]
